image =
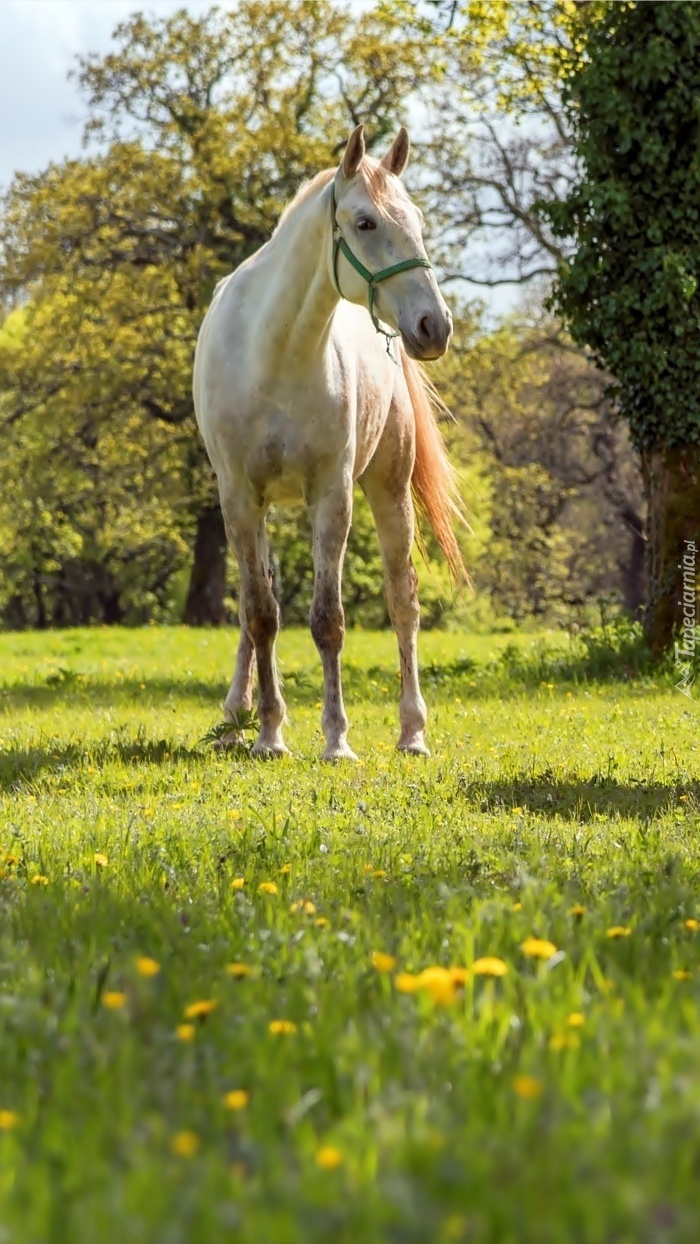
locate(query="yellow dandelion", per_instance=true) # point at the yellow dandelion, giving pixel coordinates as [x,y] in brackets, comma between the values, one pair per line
[329,1158]
[692,924]
[8,1120]
[538,948]
[681,974]
[459,976]
[281,1027]
[578,910]
[239,970]
[407,982]
[618,930]
[11,861]
[576,1020]
[113,999]
[185,1144]
[438,984]
[489,966]
[200,1010]
[185,1032]
[101,860]
[383,962]
[40,879]
[147,967]
[238,883]
[564,1041]
[237,1099]
[322,922]
[285,869]
[516,811]
[268,887]
[378,872]
[527,1087]
[309,907]
[517,907]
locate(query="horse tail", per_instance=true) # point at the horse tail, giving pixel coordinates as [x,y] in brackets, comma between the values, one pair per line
[434,481]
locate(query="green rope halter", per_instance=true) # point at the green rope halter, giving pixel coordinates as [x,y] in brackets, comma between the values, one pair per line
[372,278]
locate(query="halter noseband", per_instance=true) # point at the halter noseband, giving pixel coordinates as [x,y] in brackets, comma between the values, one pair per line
[372,278]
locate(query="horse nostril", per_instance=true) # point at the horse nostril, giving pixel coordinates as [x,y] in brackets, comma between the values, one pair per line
[425,328]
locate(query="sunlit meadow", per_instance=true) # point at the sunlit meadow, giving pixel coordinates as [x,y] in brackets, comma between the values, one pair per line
[407,1000]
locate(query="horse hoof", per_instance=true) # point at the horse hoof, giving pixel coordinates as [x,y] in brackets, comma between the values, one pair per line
[340,751]
[414,747]
[269,751]
[228,741]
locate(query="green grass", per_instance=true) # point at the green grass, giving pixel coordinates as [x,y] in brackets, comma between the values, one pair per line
[489,1118]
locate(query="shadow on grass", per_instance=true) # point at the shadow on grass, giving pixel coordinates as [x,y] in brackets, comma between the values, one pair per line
[576,798]
[25,764]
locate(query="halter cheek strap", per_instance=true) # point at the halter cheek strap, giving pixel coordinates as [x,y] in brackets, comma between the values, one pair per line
[373,279]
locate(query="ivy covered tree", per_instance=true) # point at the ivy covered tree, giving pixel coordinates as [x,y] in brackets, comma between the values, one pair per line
[630,290]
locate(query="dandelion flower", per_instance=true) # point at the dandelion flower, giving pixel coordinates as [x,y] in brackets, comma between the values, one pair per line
[200,1010]
[101,860]
[238,883]
[383,962]
[538,948]
[682,974]
[113,999]
[185,1032]
[618,930]
[281,1027]
[8,1120]
[237,1099]
[239,970]
[329,1158]
[459,976]
[527,1087]
[185,1144]
[517,907]
[578,910]
[516,811]
[489,966]
[438,983]
[693,925]
[285,869]
[322,922]
[407,982]
[268,887]
[576,1020]
[147,967]
[40,879]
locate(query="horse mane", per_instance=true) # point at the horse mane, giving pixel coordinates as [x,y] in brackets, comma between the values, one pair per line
[371,172]
[434,481]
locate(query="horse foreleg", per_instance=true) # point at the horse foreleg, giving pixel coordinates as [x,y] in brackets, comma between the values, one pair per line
[394,518]
[331,523]
[240,694]
[259,628]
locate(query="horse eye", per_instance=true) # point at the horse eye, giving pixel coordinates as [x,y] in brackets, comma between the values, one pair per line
[364,224]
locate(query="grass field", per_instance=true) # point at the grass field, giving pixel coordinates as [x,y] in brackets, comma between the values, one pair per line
[216,1018]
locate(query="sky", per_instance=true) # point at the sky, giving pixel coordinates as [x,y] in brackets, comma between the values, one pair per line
[43,111]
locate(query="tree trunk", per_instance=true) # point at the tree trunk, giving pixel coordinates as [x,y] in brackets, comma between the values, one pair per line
[205,596]
[672,481]
[634,577]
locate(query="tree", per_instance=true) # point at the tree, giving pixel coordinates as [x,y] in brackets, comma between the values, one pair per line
[199,130]
[630,290]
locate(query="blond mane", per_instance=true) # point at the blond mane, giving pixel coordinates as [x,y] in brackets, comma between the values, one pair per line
[376,179]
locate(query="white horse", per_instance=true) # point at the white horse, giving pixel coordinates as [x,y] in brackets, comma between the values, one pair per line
[298,392]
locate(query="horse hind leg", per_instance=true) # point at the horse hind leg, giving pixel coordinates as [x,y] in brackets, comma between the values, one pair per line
[392,507]
[259,629]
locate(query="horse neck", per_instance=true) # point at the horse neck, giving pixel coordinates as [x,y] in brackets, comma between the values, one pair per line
[302,298]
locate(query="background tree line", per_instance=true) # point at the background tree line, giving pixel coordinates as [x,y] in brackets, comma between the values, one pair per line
[198,131]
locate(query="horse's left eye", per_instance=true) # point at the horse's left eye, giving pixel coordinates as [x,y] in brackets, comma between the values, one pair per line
[364,224]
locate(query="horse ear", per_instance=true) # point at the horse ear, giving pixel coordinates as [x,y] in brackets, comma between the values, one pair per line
[354,152]
[396,157]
